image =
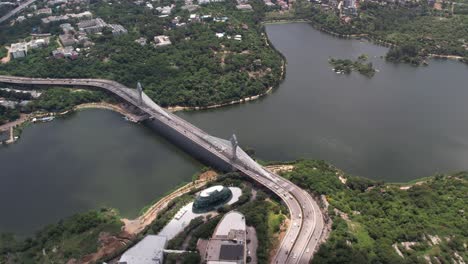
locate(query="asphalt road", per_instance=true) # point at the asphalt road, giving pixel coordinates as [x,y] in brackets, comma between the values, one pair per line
[16,10]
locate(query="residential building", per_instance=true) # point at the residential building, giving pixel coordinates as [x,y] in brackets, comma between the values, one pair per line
[150,250]
[66,17]
[67,40]
[67,28]
[19,50]
[38,43]
[92,26]
[21,19]
[245,7]
[141,41]
[67,52]
[205,2]
[190,7]
[44,11]
[162,41]
[117,29]
[56,2]
[165,10]
[194,18]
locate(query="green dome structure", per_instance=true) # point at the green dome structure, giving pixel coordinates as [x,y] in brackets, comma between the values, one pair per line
[211,198]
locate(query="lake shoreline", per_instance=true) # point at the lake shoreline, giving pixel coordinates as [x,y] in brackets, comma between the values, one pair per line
[366,37]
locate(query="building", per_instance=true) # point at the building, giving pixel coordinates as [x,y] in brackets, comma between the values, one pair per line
[194,18]
[141,41]
[67,28]
[150,250]
[92,26]
[117,29]
[44,11]
[245,7]
[67,52]
[38,43]
[205,2]
[190,8]
[19,50]
[165,10]
[67,40]
[228,243]
[211,198]
[162,40]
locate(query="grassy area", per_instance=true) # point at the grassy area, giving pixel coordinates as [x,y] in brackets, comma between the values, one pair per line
[275,219]
[3,51]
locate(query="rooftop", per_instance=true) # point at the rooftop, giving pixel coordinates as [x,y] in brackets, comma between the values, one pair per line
[147,251]
[231,221]
[207,192]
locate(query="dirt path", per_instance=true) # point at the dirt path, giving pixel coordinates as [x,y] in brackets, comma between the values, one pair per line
[113,107]
[7,58]
[115,244]
[137,225]
[23,118]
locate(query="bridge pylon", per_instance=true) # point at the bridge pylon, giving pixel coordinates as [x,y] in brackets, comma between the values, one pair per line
[140,93]
[234,144]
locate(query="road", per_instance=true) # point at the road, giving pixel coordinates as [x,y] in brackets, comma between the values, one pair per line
[16,10]
[304,233]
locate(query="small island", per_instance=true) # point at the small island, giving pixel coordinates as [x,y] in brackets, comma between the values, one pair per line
[347,66]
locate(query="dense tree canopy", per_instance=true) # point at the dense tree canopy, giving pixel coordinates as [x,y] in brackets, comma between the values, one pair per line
[198,69]
[373,218]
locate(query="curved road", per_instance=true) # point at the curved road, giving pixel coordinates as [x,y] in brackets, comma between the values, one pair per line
[303,235]
[16,10]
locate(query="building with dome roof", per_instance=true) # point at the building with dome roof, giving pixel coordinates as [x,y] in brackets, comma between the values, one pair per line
[211,198]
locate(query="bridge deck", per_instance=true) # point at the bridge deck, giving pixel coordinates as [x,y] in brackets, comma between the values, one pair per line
[305,230]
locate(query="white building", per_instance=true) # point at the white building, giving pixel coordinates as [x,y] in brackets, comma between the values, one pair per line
[246,7]
[117,29]
[162,41]
[19,50]
[150,250]
[228,244]
[205,2]
[92,26]
[165,10]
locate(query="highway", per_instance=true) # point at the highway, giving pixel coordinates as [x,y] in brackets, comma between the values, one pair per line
[305,230]
[16,10]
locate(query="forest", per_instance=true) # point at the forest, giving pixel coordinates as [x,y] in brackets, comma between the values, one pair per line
[415,30]
[347,66]
[8,114]
[73,237]
[54,100]
[371,220]
[198,69]
[76,236]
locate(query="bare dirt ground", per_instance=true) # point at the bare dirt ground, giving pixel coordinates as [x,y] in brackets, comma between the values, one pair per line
[280,168]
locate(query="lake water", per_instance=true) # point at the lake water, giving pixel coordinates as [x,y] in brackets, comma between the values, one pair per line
[89,160]
[405,122]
